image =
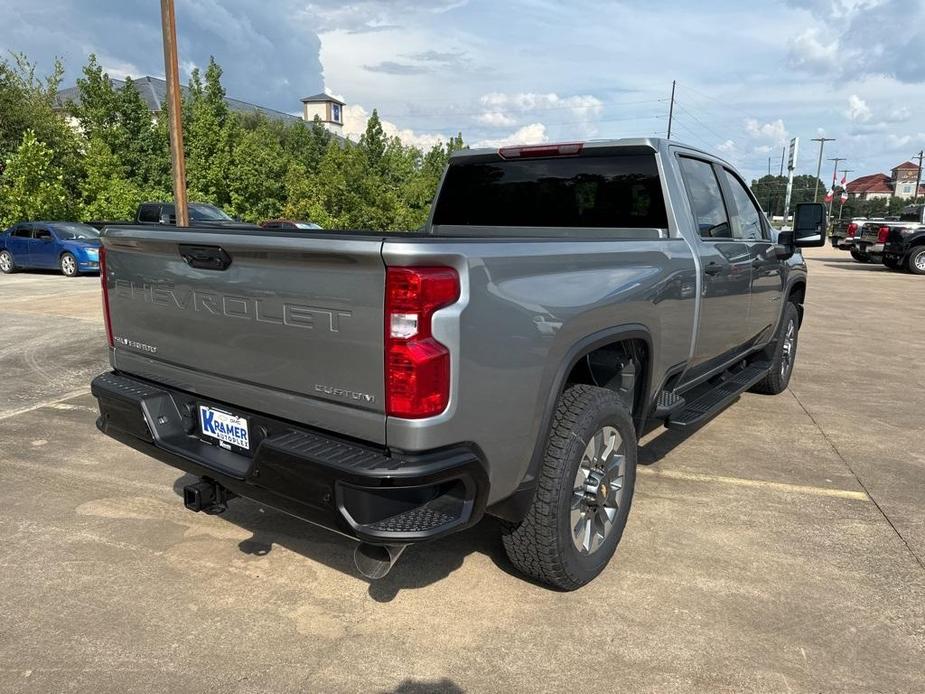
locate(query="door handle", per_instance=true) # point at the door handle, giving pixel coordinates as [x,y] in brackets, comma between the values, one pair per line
[713,269]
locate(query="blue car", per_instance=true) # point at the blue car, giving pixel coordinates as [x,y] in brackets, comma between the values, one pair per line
[69,246]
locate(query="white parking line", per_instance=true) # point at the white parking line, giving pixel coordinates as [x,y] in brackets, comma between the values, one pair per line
[47,403]
[759,484]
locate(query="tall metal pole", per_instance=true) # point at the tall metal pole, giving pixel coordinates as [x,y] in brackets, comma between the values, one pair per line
[174,111]
[918,179]
[821,141]
[671,108]
[783,150]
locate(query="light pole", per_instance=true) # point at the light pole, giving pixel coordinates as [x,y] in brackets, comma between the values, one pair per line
[834,180]
[821,141]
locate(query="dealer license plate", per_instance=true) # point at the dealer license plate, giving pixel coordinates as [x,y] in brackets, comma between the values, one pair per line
[228,429]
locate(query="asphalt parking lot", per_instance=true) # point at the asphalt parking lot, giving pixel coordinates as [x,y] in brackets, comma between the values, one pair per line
[778,549]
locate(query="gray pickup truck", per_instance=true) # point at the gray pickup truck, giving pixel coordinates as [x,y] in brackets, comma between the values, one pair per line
[396,387]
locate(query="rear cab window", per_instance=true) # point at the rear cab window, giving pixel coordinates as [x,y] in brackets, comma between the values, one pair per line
[612,191]
[706,197]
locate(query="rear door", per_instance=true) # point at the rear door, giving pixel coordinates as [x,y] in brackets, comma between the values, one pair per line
[768,271]
[20,244]
[286,324]
[726,266]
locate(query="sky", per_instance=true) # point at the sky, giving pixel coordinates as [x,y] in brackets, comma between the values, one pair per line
[750,75]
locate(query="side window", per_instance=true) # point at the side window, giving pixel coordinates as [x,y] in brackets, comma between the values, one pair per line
[23,232]
[149,213]
[706,198]
[749,215]
[42,233]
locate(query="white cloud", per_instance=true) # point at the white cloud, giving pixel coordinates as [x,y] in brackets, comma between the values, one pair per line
[496,119]
[533,134]
[775,132]
[809,50]
[728,147]
[356,117]
[581,106]
[899,114]
[858,110]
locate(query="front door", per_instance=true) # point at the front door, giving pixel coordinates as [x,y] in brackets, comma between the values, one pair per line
[43,250]
[726,263]
[768,276]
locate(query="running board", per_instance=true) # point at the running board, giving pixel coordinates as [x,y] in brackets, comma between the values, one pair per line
[714,401]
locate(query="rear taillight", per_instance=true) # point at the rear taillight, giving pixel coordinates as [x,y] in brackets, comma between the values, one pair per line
[567,149]
[852,229]
[417,366]
[882,234]
[106,318]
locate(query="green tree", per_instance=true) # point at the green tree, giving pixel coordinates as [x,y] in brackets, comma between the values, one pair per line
[374,142]
[256,184]
[30,186]
[27,103]
[210,136]
[97,107]
[106,193]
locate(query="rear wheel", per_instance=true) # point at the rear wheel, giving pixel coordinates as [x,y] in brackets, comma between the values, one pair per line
[783,353]
[6,263]
[860,257]
[584,491]
[69,265]
[917,261]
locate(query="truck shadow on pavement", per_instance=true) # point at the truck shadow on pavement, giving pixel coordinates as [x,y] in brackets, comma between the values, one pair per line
[418,566]
[853,265]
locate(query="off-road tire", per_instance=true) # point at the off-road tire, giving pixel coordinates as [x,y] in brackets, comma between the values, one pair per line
[541,546]
[778,378]
[916,262]
[8,267]
[860,257]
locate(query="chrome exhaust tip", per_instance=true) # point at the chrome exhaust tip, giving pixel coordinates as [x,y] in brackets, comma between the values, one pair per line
[375,561]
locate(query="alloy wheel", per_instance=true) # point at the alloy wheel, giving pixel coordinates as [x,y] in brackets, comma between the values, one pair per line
[788,348]
[6,263]
[598,490]
[69,265]
[919,261]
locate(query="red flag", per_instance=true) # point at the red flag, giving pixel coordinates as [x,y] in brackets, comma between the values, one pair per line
[844,189]
[830,193]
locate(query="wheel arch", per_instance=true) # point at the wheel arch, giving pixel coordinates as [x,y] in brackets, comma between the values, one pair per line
[571,371]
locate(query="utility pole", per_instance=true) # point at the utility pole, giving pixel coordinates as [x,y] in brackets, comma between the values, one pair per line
[174,111]
[671,108]
[834,180]
[918,179]
[783,151]
[821,141]
[844,173]
[769,167]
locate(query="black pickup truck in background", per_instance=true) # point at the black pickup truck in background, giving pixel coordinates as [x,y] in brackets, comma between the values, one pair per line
[165,214]
[898,244]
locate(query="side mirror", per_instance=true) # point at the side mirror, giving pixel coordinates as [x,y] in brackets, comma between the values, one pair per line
[809,225]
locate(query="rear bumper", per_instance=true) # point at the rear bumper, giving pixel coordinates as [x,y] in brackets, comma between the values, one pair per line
[363,491]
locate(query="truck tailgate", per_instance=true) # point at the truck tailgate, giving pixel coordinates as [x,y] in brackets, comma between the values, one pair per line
[293,325]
